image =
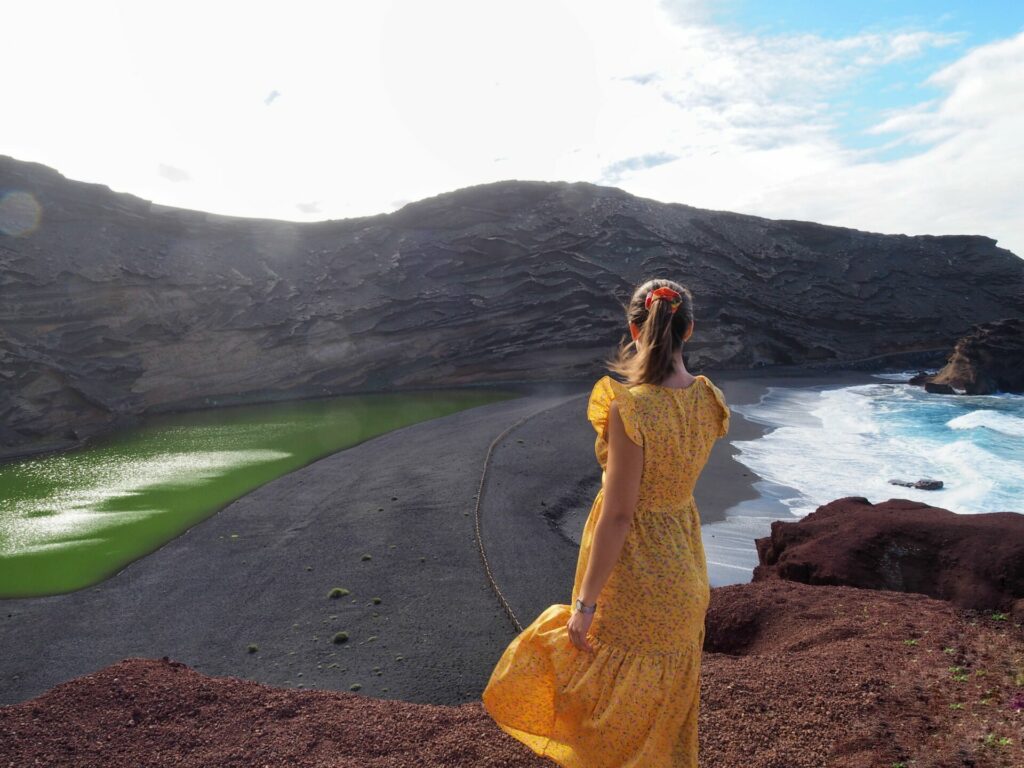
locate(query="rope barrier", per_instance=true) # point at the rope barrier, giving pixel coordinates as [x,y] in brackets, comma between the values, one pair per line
[479,504]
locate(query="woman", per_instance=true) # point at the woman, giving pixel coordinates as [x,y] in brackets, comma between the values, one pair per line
[613,679]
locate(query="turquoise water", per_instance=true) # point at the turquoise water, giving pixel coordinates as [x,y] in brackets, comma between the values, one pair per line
[851,441]
[72,519]
[828,442]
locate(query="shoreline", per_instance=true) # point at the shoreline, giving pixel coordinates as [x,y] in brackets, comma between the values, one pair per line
[127,422]
[261,569]
[734,509]
[264,564]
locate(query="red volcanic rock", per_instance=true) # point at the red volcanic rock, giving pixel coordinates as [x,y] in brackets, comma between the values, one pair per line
[974,561]
[158,712]
[988,359]
[839,677]
[792,676]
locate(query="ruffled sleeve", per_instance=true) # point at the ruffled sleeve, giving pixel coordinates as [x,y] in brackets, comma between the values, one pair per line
[719,398]
[605,390]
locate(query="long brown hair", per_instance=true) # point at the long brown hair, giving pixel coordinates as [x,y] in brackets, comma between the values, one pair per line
[661,334]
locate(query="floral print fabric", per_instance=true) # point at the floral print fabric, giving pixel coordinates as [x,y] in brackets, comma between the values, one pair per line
[633,701]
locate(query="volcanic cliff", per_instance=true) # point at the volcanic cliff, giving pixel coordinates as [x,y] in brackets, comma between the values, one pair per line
[112,306]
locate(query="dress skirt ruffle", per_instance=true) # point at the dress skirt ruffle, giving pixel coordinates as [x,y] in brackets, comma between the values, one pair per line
[610,708]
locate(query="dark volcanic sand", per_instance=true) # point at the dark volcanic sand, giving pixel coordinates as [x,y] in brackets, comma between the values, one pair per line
[203,597]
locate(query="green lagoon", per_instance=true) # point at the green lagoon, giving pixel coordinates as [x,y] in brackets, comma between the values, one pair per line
[73,519]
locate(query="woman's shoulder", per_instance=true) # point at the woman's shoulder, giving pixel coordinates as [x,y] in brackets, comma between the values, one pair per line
[607,390]
[713,388]
[711,385]
[718,398]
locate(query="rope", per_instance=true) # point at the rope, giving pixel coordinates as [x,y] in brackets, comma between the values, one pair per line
[480,496]
[479,504]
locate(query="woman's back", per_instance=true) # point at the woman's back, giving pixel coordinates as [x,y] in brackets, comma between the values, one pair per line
[659,585]
[677,426]
[682,425]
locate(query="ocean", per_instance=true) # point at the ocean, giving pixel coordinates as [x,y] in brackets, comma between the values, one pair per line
[825,443]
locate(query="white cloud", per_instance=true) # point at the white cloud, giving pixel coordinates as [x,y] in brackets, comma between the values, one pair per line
[390,101]
[171,173]
[966,176]
[755,132]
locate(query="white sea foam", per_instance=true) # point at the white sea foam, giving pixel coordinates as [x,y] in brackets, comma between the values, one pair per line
[898,376]
[850,441]
[998,421]
[860,437]
[729,547]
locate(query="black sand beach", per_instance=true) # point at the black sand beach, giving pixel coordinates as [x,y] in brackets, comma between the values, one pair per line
[405,498]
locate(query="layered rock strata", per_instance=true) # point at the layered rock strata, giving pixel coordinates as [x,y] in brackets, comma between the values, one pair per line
[112,306]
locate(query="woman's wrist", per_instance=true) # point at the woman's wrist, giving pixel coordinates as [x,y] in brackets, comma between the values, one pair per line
[580,607]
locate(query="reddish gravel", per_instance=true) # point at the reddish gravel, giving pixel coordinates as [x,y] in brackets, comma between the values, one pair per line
[858,678]
[793,675]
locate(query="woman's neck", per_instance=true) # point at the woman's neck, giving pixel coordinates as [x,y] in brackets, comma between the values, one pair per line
[679,376]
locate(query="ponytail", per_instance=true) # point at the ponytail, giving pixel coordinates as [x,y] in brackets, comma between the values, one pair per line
[663,311]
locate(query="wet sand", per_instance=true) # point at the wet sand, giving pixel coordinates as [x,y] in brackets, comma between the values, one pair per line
[735,507]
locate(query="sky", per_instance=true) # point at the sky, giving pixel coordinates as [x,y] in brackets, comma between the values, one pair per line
[887,116]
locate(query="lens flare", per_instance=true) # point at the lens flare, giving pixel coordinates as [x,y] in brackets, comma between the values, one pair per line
[19,214]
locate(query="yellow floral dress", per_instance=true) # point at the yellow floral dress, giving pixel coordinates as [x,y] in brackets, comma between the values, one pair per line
[633,701]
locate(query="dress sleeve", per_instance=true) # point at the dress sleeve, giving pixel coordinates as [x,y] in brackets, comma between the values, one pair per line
[720,404]
[604,392]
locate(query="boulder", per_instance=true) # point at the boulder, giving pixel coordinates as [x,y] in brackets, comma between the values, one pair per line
[974,561]
[987,359]
[924,484]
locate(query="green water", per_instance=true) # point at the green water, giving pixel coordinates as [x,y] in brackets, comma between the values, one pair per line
[71,520]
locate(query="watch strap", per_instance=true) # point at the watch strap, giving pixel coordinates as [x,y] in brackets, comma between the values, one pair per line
[583,607]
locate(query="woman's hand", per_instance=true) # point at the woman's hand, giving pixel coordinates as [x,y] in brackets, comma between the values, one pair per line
[578,626]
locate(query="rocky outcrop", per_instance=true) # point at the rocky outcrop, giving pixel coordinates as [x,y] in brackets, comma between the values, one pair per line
[988,359]
[974,561]
[791,675]
[112,306]
[924,484]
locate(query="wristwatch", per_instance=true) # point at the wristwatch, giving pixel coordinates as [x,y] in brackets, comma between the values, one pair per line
[584,608]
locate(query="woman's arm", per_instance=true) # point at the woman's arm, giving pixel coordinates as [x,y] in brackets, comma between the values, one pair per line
[621,491]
